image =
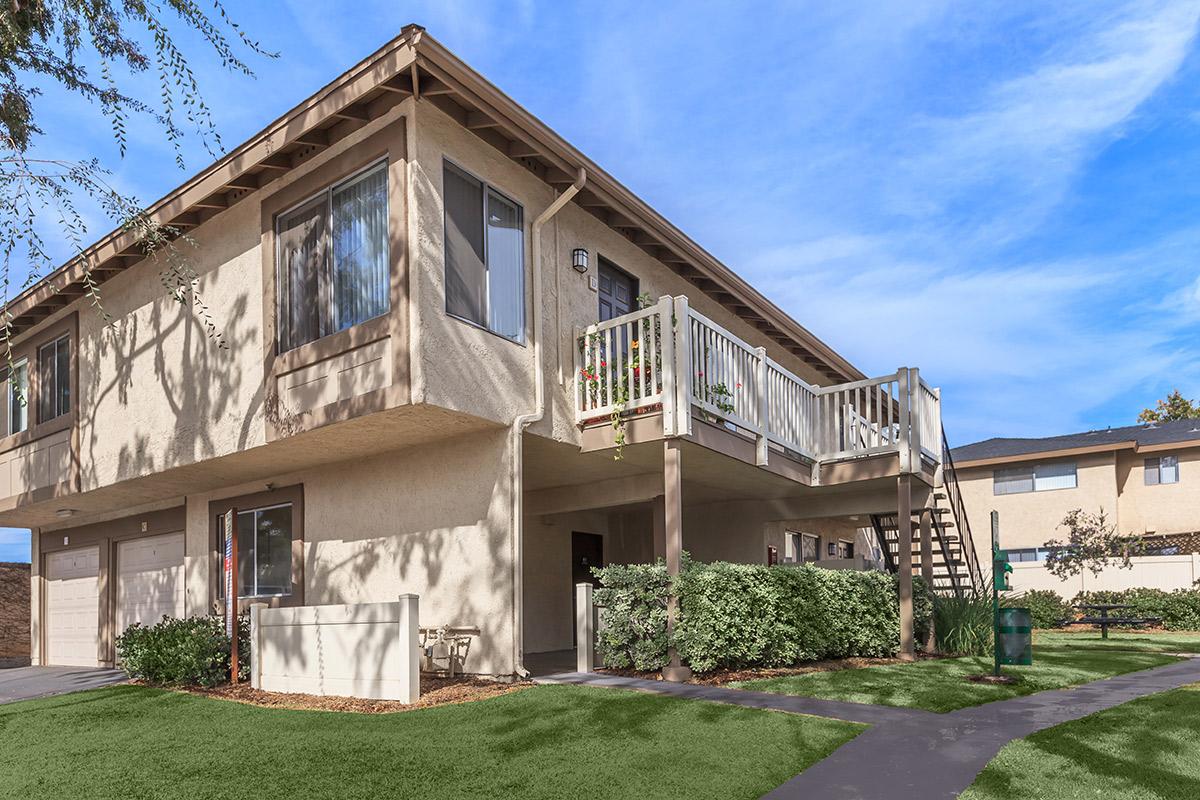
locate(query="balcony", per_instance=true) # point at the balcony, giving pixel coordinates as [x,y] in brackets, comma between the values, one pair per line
[670,361]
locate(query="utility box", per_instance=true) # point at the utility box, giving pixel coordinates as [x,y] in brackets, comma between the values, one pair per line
[1015,636]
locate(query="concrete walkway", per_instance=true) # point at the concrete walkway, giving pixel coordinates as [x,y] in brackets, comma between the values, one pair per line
[26,683]
[909,753]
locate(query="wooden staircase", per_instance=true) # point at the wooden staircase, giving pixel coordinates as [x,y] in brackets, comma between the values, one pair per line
[954,559]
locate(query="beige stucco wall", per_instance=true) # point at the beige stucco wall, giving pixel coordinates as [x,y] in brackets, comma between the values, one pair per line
[462,367]
[1165,508]
[1030,519]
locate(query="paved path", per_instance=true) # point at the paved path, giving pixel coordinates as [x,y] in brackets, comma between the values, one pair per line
[909,753]
[26,683]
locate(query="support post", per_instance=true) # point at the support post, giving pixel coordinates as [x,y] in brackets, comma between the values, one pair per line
[681,330]
[585,634]
[410,648]
[670,370]
[256,610]
[927,567]
[904,536]
[905,397]
[762,444]
[673,529]
[660,528]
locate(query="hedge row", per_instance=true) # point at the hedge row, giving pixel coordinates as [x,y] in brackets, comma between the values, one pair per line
[1179,610]
[183,652]
[733,616]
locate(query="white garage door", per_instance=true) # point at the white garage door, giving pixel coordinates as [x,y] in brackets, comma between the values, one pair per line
[149,580]
[73,607]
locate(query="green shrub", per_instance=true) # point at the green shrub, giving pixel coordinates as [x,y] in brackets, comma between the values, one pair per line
[183,652]
[1179,610]
[1046,607]
[963,625]
[633,615]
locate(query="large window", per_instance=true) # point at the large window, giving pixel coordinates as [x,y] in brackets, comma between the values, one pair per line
[332,258]
[1164,469]
[18,397]
[485,255]
[264,551]
[54,379]
[1034,478]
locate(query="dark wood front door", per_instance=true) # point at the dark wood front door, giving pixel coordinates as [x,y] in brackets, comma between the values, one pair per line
[587,551]
[618,291]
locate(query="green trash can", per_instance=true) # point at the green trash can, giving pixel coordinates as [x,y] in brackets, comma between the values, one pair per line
[1016,636]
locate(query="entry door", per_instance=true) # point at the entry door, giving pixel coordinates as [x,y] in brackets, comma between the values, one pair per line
[587,551]
[149,580]
[618,291]
[72,633]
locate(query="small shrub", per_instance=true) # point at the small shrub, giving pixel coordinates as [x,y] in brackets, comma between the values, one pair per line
[1046,607]
[633,615]
[183,652]
[963,625]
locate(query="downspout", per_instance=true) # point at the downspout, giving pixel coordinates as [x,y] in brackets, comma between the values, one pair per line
[523,421]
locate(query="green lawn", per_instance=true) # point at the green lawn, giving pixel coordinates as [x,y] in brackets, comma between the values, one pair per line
[1148,749]
[132,742]
[941,685]
[1161,642]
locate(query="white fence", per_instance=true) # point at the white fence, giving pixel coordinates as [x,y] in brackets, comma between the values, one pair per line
[670,356]
[369,650]
[1152,572]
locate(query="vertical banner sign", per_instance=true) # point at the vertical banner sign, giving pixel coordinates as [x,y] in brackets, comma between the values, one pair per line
[231,590]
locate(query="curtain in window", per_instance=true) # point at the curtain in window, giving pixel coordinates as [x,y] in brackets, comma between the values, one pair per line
[466,275]
[506,273]
[301,248]
[1169,469]
[1012,481]
[1054,476]
[360,250]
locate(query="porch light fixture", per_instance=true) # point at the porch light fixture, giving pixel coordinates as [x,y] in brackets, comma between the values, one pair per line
[64,513]
[579,260]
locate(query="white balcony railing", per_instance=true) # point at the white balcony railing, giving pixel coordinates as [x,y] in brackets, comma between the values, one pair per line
[670,356]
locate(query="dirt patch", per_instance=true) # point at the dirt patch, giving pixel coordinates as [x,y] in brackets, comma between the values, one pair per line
[1003,680]
[434,692]
[722,677]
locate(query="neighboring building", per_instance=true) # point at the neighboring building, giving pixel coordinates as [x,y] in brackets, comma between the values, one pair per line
[412,274]
[1146,479]
[14,614]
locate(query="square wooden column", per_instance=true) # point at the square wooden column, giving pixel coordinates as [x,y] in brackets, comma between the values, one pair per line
[673,539]
[660,528]
[927,565]
[904,537]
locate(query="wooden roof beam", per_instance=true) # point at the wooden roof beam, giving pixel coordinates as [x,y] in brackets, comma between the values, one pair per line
[477,121]
[519,149]
[357,111]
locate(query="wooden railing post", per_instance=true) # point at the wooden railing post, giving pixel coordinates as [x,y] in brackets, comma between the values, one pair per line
[916,416]
[670,372]
[905,394]
[762,445]
[683,365]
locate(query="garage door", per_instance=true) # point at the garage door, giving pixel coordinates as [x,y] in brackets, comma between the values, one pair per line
[73,607]
[149,580]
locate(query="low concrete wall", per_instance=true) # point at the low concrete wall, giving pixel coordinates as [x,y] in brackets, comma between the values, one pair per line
[367,650]
[1152,572]
[14,615]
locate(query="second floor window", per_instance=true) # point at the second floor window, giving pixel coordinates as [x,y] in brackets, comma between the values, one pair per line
[485,255]
[1164,469]
[332,257]
[54,379]
[1034,478]
[18,397]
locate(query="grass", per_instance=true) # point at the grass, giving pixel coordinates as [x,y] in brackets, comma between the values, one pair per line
[543,742]
[1159,641]
[941,685]
[1147,749]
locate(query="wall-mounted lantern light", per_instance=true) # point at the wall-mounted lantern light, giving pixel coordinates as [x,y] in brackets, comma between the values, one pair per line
[579,260]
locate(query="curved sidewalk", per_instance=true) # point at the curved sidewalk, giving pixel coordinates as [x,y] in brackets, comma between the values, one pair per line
[913,753]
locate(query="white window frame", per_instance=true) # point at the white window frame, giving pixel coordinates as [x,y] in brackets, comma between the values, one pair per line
[485,189]
[1018,473]
[43,388]
[13,403]
[1157,470]
[221,533]
[325,278]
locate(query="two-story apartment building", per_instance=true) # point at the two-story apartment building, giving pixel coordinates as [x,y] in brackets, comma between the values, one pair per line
[1141,476]
[431,308]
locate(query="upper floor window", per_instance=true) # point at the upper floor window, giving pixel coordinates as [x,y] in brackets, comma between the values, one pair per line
[332,257]
[54,379]
[1034,478]
[485,255]
[1164,469]
[18,397]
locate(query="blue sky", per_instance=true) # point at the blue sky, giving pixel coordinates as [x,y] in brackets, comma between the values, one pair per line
[1003,194]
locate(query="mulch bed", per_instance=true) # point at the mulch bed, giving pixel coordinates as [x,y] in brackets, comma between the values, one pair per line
[435,691]
[722,677]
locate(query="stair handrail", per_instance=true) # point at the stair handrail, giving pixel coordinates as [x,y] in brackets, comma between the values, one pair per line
[959,510]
